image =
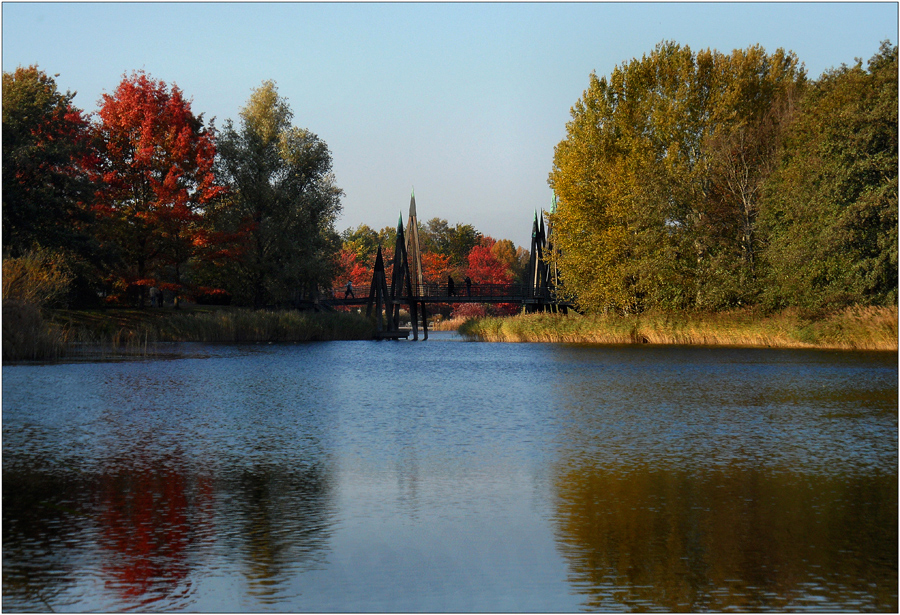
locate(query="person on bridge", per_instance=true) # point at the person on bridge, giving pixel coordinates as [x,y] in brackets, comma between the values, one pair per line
[349,292]
[450,291]
[468,287]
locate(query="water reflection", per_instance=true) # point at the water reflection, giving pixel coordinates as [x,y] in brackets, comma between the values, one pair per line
[148,519]
[492,477]
[131,485]
[720,481]
[43,506]
[280,524]
[649,538]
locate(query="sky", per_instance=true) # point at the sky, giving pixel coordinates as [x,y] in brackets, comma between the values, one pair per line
[463,102]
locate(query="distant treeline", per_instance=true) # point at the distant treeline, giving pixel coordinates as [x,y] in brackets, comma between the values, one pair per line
[711,181]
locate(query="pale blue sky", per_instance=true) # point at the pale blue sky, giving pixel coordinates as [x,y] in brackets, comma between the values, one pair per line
[463,101]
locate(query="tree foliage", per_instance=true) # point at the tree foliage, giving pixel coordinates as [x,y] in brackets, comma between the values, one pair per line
[514,259]
[831,206]
[283,193]
[454,242]
[47,156]
[156,179]
[649,213]
[363,242]
[484,266]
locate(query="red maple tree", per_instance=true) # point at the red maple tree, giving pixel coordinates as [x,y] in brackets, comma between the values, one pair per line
[484,266]
[436,267]
[157,176]
[349,269]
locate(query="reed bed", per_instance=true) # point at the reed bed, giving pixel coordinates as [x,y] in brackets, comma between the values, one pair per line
[238,326]
[28,336]
[450,324]
[855,328]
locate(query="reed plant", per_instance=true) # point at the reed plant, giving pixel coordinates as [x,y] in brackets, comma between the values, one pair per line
[31,283]
[855,328]
[126,332]
[448,324]
[27,336]
[241,325]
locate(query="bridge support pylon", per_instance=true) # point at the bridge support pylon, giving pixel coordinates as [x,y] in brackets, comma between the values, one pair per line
[387,300]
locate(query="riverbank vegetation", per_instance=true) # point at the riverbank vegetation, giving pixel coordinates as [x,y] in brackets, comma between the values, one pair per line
[123,331]
[861,328]
[209,324]
[37,323]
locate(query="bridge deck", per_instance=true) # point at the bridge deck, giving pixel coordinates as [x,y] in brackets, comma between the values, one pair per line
[439,293]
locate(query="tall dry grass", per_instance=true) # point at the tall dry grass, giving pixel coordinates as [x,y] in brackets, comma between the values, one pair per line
[38,277]
[856,328]
[132,331]
[32,283]
[236,326]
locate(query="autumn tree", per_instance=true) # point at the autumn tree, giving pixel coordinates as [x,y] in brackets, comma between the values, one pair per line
[514,259]
[754,106]
[283,190]
[830,208]
[157,179]
[437,267]
[362,241]
[47,156]
[349,268]
[483,265]
[634,227]
[455,242]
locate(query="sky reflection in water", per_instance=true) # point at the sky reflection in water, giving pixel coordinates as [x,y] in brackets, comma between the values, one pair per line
[446,476]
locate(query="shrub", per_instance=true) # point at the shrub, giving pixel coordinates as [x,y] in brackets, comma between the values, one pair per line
[469,310]
[35,280]
[38,278]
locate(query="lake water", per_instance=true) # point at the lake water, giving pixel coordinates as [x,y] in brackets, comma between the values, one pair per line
[452,476]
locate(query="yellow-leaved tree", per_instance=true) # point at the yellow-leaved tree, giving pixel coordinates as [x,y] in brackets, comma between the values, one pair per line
[645,214]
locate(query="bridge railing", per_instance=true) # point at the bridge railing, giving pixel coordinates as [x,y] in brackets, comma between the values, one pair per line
[434,291]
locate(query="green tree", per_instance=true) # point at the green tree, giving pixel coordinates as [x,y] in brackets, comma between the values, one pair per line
[283,193]
[830,208]
[438,237]
[636,225]
[753,106]
[47,156]
[362,242]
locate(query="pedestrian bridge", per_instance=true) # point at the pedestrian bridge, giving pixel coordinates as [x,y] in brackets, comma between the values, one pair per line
[409,287]
[478,292]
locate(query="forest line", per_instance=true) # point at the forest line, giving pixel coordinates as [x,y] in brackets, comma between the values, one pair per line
[687,181]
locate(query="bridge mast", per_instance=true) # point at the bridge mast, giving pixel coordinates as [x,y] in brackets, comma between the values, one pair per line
[414,257]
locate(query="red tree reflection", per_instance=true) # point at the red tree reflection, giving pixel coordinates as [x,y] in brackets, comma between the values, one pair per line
[150,517]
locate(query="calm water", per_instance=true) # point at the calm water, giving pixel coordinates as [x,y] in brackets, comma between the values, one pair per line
[452,476]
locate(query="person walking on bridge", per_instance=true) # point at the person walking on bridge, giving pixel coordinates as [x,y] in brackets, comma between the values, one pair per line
[349,292]
[450,290]
[468,286]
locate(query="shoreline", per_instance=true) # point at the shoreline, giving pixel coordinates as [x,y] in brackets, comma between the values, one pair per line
[859,328]
[56,334]
[129,331]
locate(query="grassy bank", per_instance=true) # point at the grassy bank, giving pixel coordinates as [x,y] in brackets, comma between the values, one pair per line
[66,332]
[867,328]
